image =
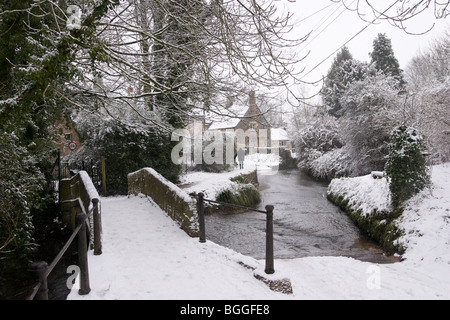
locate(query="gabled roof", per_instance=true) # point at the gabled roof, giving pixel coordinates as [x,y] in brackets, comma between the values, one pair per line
[230,117]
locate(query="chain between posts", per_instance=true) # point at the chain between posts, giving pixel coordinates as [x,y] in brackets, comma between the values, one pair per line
[269,268]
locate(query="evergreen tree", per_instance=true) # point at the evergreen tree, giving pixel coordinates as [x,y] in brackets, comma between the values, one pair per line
[125,148]
[406,166]
[37,58]
[384,60]
[344,71]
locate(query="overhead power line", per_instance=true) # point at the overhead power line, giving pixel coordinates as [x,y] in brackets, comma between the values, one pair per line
[327,26]
[317,12]
[352,38]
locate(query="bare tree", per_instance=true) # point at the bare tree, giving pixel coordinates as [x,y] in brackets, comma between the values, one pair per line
[428,77]
[398,13]
[165,59]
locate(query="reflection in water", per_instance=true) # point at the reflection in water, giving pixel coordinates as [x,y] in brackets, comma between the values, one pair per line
[305,223]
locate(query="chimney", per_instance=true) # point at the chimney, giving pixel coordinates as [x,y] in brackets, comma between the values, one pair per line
[252,100]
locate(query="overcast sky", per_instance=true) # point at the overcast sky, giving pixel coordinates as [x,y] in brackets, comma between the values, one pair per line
[333,25]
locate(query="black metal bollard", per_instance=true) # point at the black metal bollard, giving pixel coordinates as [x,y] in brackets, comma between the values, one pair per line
[269,241]
[201,217]
[39,272]
[82,255]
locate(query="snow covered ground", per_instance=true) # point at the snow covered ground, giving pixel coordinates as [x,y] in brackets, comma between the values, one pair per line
[146,256]
[211,184]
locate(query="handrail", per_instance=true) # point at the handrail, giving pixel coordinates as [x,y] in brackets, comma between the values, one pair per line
[36,288]
[41,270]
[68,243]
[269,268]
[81,187]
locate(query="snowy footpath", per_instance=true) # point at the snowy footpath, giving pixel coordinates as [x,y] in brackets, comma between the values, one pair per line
[146,256]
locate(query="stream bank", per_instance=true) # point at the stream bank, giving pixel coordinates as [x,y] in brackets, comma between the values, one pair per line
[305,223]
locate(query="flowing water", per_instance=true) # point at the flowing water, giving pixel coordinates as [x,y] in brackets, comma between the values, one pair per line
[305,223]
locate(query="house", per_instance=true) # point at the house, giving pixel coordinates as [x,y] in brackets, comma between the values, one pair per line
[67,138]
[281,138]
[247,123]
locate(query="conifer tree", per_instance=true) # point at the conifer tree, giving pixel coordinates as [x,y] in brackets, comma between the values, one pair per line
[384,60]
[344,71]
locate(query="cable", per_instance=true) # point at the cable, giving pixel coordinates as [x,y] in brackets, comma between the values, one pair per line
[312,15]
[351,39]
[326,27]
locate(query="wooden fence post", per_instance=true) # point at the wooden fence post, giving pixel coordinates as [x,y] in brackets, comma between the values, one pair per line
[97,229]
[82,255]
[104,175]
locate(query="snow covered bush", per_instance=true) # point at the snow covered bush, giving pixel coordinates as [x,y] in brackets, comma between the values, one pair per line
[344,71]
[314,145]
[332,164]
[406,167]
[428,77]
[126,149]
[21,186]
[240,194]
[371,112]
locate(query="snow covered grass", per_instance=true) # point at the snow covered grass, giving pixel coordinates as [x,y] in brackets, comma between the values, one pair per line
[426,220]
[146,256]
[367,202]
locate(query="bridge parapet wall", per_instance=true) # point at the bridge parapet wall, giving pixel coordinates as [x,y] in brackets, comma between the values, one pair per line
[169,197]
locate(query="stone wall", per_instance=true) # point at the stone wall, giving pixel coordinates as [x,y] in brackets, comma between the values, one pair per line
[169,197]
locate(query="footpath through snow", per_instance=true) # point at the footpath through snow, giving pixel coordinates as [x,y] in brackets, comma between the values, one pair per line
[146,256]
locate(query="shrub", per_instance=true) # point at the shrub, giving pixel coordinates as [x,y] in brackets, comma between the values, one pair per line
[243,195]
[406,167]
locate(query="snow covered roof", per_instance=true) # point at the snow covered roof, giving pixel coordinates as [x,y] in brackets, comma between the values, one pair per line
[229,118]
[279,134]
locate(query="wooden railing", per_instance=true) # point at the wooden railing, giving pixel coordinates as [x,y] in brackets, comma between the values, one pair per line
[80,187]
[81,201]
[41,270]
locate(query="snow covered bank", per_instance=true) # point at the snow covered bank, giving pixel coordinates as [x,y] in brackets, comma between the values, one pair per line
[367,201]
[364,194]
[425,221]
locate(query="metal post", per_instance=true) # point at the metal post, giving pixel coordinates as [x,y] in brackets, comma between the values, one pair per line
[97,229]
[82,255]
[39,272]
[269,240]
[201,217]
